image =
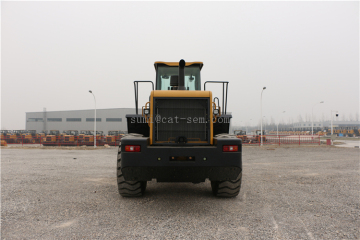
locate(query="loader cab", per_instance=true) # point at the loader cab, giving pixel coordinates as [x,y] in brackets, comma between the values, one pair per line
[258,132]
[54,132]
[167,75]
[239,132]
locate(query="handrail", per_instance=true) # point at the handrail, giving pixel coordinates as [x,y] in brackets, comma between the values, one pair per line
[218,100]
[223,102]
[136,88]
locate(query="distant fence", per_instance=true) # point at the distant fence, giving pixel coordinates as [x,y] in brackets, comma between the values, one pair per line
[87,140]
[280,139]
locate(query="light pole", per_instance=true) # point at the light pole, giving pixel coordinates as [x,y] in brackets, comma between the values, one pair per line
[277,129]
[312,117]
[335,111]
[261,133]
[265,124]
[94,120]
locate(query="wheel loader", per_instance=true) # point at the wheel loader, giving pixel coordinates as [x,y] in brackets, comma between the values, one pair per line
[52,139]
[181,135]
[113,138]
[3,134]
[28,136]
[242,135]
[88,138]
[16,136]
[70,138]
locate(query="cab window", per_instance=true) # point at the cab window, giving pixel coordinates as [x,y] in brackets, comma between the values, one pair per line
[192,77]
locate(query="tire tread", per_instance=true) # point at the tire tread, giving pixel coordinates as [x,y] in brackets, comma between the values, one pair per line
[228,188]
[128,188]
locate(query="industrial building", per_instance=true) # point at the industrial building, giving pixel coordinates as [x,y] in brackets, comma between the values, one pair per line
[319,126]
[112,119]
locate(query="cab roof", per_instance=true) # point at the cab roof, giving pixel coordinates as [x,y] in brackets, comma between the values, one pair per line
[176,64]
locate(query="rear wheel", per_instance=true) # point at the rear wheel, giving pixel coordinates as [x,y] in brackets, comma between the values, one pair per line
[226,189]
[128,188]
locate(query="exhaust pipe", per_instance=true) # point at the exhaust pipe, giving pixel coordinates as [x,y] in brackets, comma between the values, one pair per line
[182,75]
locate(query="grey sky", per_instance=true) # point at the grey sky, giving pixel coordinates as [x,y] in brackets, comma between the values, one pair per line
[303,52]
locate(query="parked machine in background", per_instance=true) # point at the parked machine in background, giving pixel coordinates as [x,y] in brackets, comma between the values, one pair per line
[28,136]
[257,137]
[70,138]
[11,137]
[81,137]
[113,138]
[353,132]
[3,134]
[242,135]
[40,137]
[100,141]
[337,131]
[52,139]
[321,133]
[87,137]
[344,132]
[16,135]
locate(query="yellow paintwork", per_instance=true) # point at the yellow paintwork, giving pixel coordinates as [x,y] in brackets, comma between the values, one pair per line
[180,93]
[176,64]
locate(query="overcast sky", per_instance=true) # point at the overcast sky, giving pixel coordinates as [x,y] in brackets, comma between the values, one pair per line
[52,53]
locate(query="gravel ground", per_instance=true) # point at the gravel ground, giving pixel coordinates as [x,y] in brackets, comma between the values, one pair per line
[287,193]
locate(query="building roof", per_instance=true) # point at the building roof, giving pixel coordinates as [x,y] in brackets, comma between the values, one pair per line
[98,109]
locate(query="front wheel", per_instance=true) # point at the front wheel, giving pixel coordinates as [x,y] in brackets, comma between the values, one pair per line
[226,189]
[128,188]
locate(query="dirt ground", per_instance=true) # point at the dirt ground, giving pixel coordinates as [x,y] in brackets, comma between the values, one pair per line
[287,193]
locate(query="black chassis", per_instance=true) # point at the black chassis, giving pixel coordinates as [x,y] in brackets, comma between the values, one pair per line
[180,163]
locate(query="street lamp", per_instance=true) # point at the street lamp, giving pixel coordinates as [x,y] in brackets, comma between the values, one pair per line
[261,116]
[94,120]
[312,118]
[335,111]
[265,123]
[277,129]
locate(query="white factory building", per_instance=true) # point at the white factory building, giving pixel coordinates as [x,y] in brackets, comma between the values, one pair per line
[112,119]
[306,126]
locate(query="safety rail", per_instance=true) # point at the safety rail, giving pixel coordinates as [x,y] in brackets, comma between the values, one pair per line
[48,140]
[88,140]
[280,139]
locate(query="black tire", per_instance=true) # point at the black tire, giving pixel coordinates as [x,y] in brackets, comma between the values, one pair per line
[128,188]
[226,189]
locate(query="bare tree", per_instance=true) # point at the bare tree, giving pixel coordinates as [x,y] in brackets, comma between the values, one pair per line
[290,120]
[300,119]
[356,116]
[343,118]
[272,121]
[351,117]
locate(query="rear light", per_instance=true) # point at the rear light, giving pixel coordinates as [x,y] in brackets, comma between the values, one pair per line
[132,148]
[230,148]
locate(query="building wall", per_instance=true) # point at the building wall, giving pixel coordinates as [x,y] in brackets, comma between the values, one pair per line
[108,120]
[326,124]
